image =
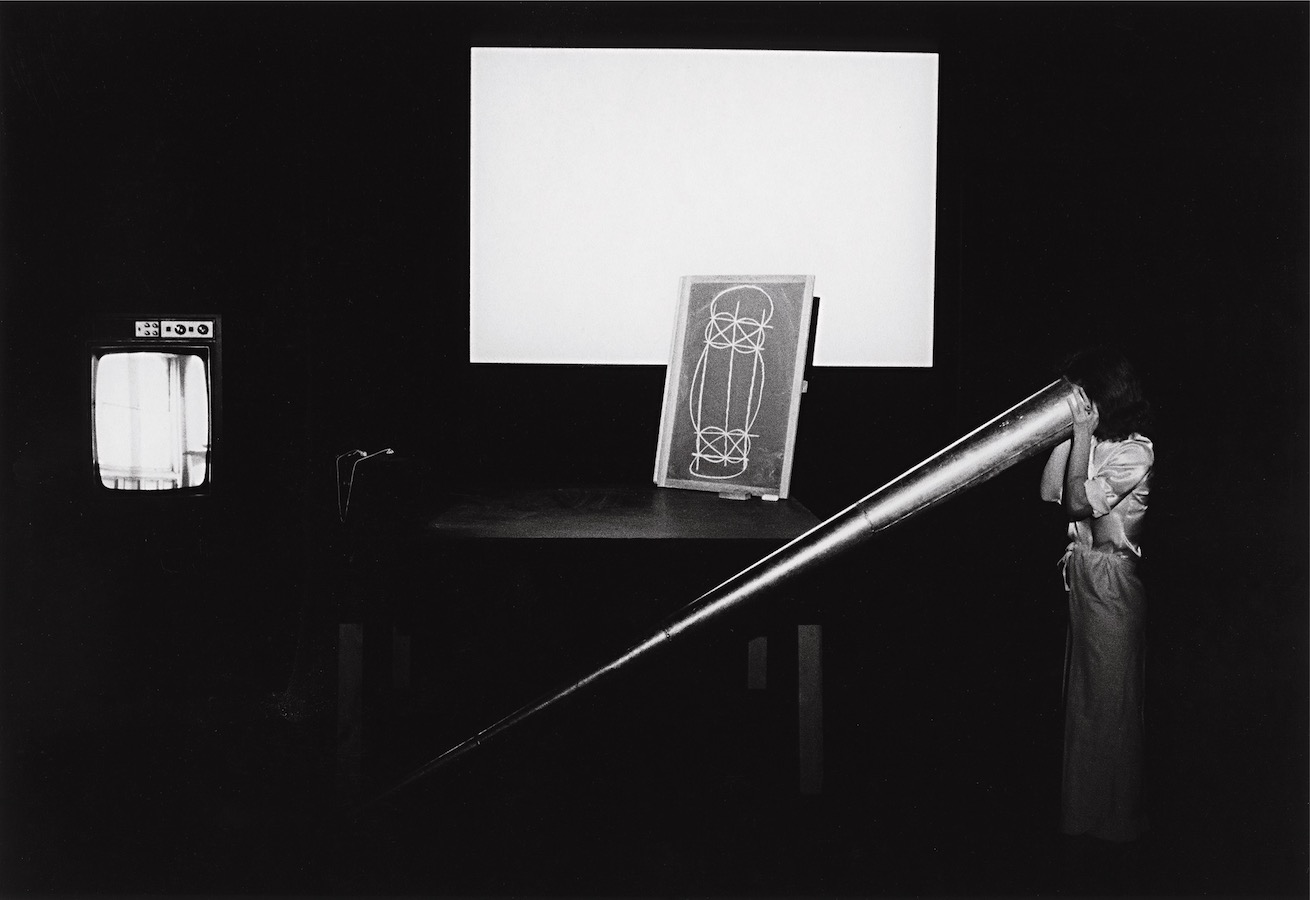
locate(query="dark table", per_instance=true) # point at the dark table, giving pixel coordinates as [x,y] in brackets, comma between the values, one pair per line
[621,513]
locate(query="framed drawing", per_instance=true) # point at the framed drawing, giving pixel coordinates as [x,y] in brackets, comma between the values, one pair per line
[733,387]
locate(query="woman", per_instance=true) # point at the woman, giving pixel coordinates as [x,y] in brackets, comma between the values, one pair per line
[1101,477]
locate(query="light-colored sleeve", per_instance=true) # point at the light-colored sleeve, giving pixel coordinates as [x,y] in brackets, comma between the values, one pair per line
[1053,475]
[1114,477]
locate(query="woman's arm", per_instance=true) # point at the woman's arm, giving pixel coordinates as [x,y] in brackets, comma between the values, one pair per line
[1085,419]
[1053,475]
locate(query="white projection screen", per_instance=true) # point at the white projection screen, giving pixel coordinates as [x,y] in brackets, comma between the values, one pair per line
[599,178]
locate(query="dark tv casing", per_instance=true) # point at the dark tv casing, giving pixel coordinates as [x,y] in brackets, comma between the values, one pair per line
[199,333]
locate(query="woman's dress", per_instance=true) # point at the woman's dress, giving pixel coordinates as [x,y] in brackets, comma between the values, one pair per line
[1103,732]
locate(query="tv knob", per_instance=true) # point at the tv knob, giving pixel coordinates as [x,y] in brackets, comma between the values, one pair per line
[203,329]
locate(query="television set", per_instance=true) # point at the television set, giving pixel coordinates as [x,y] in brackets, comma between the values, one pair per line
[155,403]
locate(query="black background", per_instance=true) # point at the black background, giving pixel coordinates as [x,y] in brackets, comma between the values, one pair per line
[1134,173]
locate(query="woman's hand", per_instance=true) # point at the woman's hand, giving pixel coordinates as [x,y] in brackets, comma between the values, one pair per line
[1085,414]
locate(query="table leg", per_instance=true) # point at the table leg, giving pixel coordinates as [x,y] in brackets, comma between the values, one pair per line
[757,663]
[399,659]
[809,646]
[350,709]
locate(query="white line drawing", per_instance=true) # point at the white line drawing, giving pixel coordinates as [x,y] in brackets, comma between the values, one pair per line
[722,428]
[738,325]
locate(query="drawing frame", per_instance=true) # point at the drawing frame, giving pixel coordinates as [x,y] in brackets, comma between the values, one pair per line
[733,386]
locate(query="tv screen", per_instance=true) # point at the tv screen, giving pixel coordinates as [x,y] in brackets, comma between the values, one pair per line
[151,418]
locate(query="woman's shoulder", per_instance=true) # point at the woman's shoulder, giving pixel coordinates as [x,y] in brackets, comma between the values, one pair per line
[1133,449]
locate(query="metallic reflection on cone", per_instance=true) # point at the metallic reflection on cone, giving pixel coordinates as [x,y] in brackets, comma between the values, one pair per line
[1039,422]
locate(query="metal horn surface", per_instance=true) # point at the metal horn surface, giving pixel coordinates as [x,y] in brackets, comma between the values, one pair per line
[1039,422]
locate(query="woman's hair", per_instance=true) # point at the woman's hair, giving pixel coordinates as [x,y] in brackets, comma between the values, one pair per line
[1110,382]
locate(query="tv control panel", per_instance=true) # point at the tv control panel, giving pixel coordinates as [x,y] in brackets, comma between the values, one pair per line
[175,328]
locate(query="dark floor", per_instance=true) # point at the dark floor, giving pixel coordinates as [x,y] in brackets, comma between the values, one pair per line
[234,796]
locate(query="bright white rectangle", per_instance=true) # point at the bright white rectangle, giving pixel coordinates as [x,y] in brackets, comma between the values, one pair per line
[151,420]
[600,177]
